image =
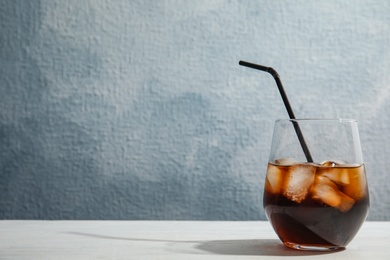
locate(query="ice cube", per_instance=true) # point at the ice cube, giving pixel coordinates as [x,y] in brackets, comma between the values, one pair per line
[333,163]
[357,188]
[298,181]
[285,161]
[274,179]
[346,202]
[328,192]
[338,175]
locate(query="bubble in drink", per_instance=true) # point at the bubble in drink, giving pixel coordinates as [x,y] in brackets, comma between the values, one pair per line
[307,202]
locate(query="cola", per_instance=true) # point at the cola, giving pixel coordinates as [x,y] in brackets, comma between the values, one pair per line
[316,204]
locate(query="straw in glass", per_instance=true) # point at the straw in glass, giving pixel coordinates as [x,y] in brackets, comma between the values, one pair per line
[290,112]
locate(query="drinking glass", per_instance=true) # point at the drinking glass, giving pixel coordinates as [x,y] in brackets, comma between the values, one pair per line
[316,194]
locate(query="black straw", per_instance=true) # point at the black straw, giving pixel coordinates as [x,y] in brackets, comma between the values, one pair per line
[286,104]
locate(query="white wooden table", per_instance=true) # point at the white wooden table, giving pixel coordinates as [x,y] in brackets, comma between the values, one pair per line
[27,239]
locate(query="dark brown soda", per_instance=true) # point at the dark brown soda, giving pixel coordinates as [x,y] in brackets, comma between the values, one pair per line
[312,223]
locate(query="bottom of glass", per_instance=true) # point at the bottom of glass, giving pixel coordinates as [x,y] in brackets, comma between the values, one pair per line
[316,247]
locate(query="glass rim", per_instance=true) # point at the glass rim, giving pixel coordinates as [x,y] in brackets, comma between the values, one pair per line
[318,120]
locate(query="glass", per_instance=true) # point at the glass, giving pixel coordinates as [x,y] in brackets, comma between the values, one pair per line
[320,204]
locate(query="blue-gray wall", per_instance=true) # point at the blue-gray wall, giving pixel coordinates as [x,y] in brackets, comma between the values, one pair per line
[139,109]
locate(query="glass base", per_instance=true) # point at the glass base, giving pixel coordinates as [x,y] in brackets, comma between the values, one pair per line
[323,248]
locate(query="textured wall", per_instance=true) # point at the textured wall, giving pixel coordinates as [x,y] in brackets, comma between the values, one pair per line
[139,110]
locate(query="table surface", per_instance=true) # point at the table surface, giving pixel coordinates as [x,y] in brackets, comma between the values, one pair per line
[30,239]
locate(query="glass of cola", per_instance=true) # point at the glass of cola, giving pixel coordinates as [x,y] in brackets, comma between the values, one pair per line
[320,201]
